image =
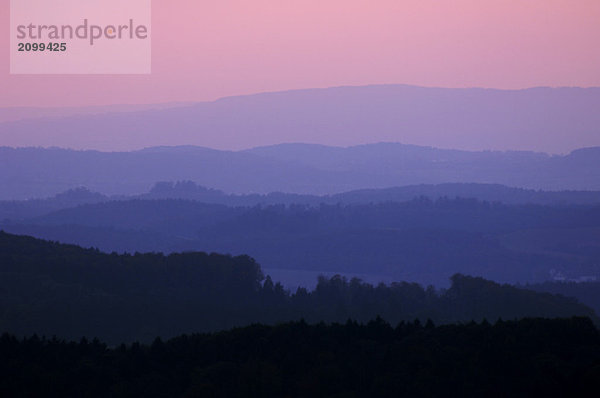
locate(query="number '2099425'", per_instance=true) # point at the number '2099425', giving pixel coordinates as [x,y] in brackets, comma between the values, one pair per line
[42,46]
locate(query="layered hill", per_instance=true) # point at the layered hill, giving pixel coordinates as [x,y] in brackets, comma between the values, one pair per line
[66,291]
[554,120]
[295,168]
[420,240]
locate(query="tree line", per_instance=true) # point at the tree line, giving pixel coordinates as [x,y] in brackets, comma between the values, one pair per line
[529,357]
[64,290]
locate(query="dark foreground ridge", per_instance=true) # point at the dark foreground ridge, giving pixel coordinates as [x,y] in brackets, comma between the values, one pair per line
[526,358]
[53,289]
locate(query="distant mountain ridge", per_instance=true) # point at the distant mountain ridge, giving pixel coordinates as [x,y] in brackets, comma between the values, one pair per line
[292,168]
[554,120]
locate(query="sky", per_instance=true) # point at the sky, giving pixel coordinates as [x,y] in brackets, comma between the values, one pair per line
[206,49]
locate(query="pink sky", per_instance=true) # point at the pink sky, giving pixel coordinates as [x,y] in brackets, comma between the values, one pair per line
[203,50]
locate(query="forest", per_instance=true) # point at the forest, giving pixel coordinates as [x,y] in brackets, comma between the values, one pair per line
[66,291]
[524,358]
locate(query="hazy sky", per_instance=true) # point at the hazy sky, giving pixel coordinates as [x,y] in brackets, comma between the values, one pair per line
[205,49]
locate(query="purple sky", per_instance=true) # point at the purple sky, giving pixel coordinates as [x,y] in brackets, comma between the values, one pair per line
[206,50]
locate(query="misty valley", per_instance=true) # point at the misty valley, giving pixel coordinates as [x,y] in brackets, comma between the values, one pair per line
[136,263]
[425,239]
[397,269]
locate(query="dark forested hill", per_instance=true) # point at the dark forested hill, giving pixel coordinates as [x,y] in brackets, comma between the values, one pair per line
[67,291]
[587,292]
[420,240]
[526,358]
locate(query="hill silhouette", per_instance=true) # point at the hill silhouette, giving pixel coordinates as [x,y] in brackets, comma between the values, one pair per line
[529,357]
[67,291]
[295,168]
[189,190]
[554,120]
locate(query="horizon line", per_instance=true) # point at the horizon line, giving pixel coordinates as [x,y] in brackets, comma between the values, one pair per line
[184,103]
[306,144]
